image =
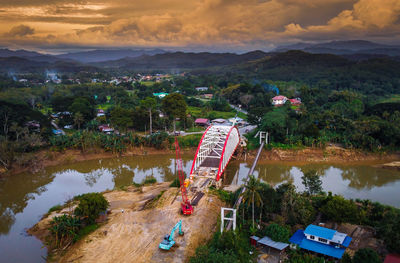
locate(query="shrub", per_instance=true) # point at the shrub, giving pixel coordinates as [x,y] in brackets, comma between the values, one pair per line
[149,180]
[277,233]
[366,255]
[175,183]
[341,210]
[65,229]
[90,206]
[55,208]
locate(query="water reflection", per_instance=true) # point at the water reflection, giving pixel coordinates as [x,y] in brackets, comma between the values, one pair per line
[24,198]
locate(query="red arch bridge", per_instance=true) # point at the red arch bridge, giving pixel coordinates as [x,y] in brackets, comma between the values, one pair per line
[215,150]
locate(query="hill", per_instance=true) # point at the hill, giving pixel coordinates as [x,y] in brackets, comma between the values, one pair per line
[344,48]
[181,60]
[25,65]
[106,54]
[373,76]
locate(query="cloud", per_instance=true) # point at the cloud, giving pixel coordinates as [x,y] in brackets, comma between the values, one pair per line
[209,23]
[20,31]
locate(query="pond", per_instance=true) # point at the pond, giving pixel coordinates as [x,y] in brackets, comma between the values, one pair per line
[25,197]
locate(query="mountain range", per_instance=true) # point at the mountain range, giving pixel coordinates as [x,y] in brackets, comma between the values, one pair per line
[157,59]
[349,47]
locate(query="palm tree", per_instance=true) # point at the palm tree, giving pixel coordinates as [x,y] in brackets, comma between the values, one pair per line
[78,119]
[252,194]
[150,104]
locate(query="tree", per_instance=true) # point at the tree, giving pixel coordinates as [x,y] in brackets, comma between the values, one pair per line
[277,233]
[149,103]
[366,255]
[121,118]
[174,106]
[78,119]
[83,106]
[90,206]
[252,194]
[312,182]
[341,210]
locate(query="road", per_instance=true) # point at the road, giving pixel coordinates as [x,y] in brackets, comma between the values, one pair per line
[238,109]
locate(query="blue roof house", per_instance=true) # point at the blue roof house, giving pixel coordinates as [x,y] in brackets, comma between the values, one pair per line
[321,240]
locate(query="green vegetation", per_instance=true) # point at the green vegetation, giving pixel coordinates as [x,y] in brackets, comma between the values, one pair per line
[197,112]
[312,182]
[366,255]
[90,206]
[55,208]
[227,247]
[175,183]
[65,229]
[149,180]
[281,211]
[277,233]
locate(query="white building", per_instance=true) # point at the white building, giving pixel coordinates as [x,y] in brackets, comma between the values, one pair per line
[279,100]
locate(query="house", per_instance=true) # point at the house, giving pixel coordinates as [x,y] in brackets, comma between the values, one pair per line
[160,94]
[279,100]
[392,258]
[100,112]
[268,245]
[106,128]
[202,122]
[295,102]
[321,240]
[219,121]
[207,96]
[201,88]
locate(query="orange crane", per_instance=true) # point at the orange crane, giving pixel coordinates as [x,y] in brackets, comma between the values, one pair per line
[187,208]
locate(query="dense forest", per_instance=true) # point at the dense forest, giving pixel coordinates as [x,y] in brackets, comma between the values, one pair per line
[352,103]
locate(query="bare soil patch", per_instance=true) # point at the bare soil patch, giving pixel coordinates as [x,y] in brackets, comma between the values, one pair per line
[132,233]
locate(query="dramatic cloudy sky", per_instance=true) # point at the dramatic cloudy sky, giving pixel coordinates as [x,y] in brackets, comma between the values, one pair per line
[194,24]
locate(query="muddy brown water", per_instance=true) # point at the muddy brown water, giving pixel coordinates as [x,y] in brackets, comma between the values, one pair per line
[25,197]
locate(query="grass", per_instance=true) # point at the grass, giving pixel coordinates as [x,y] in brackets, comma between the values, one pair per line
[55,208]
[85,231]
[104,106]
[147,83]
[175,183]
[393,98]
[195,129]
[197,112]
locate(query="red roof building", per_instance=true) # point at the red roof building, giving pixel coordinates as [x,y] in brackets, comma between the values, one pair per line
[279,100]
[295,102]
[202,122]
[392,258]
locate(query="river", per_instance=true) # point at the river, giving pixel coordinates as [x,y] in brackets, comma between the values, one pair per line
[25,197]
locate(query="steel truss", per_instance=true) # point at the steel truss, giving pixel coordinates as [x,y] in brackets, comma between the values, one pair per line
[215,149]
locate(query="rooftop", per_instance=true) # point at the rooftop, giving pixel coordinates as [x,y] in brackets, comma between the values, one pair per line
[320,231]
[269,242]
[329,250]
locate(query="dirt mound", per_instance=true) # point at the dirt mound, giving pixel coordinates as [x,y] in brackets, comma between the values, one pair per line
[133,231]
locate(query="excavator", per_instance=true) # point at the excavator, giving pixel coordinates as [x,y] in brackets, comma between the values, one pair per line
[186,207]
[168,241]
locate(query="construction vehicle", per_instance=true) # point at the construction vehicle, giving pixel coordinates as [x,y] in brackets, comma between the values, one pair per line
[169,241]
[186,207]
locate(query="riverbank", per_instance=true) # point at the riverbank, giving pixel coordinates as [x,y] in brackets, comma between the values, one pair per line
[136,226]
[46,158]
[332,154]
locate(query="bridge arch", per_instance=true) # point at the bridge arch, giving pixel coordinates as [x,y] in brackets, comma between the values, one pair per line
[216,147]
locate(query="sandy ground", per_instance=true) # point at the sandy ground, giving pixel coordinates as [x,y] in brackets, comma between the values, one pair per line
[328,154]
[132,233]
[392,165]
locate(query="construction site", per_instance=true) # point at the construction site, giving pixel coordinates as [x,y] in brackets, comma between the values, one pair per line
[158,223]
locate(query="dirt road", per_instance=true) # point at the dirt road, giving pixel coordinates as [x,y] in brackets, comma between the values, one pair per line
[133,230]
